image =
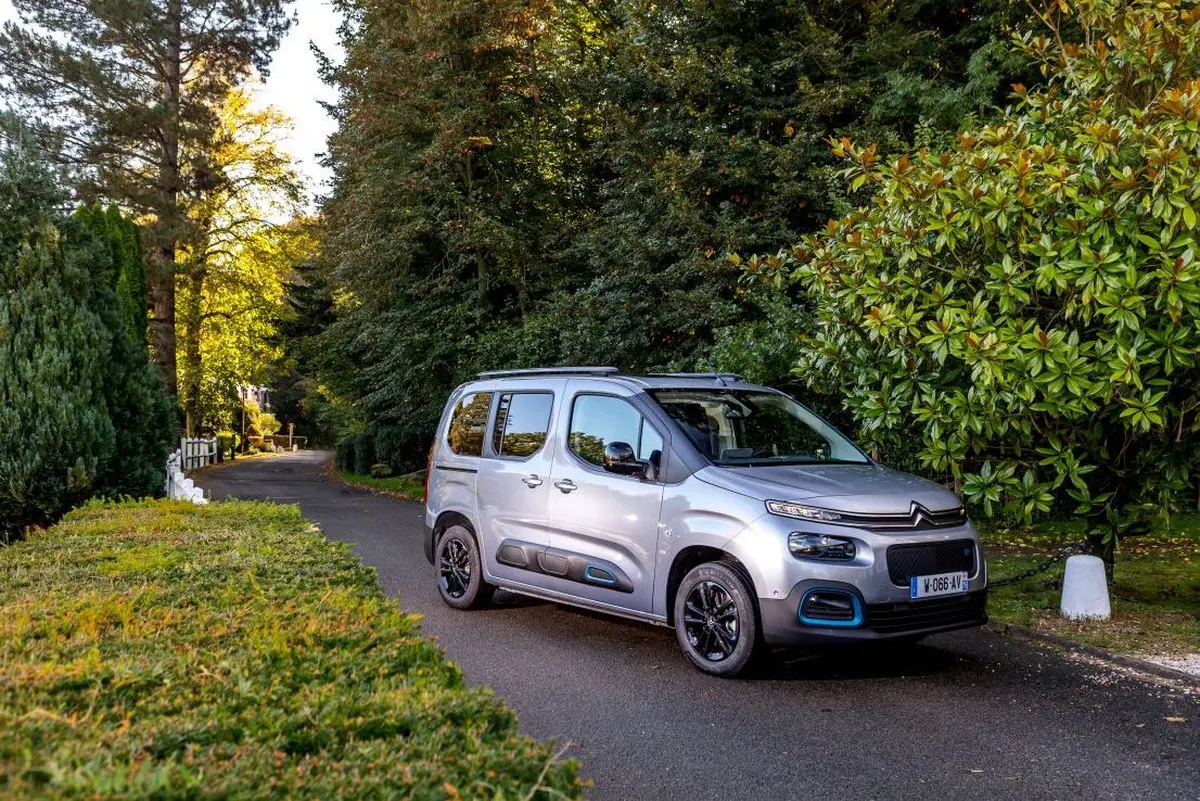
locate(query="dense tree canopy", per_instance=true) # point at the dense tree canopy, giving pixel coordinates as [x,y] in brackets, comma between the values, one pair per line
[531,182]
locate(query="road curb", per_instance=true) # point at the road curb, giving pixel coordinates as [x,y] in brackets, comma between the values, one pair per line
[1113,657]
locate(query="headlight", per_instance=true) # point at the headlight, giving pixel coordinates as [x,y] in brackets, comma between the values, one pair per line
[819,546]
[801,512]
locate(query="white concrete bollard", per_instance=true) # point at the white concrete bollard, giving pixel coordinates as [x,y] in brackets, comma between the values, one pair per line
[1085,590]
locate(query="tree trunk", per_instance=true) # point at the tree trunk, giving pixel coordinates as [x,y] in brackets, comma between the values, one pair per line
[192,322]
[162,288]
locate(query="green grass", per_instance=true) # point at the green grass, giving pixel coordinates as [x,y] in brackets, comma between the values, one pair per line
[409,487]
[1155,593]
[165,650]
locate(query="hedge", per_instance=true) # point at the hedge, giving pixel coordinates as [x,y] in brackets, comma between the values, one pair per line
[160,649]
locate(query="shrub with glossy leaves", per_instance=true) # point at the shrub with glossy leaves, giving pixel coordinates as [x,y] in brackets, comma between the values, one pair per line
[1029,299]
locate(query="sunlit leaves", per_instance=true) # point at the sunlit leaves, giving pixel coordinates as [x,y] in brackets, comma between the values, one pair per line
[1038,282]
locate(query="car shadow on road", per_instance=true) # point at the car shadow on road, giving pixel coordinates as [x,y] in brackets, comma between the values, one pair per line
[833,663]
[868,661]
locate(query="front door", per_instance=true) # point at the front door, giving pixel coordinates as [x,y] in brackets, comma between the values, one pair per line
[604,526]
[513,485]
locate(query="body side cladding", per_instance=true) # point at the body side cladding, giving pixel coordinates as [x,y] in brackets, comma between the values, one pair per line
[562,564]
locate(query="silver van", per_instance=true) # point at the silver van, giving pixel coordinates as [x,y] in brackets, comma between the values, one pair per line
[723,509]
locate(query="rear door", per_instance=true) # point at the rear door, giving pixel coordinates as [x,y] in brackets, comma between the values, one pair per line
[604,526]
[514,479]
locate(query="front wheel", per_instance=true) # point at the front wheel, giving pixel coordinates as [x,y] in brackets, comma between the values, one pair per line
[460,570]
[716,620]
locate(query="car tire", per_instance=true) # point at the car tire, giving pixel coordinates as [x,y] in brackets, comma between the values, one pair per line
[460,570]
[716,619]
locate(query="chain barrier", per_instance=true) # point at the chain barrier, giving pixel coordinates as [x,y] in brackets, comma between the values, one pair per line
[1080,547]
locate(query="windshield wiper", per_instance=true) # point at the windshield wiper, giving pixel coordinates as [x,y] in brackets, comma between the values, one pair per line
[788,462]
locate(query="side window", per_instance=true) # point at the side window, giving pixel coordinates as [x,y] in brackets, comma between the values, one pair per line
[597,420]
[468,422]
[522,420]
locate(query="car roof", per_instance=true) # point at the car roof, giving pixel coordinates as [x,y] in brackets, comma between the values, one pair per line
[633,381]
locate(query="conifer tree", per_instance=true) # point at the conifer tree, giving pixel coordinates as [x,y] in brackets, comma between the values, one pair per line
[128,90]
[55,434]
[135,399]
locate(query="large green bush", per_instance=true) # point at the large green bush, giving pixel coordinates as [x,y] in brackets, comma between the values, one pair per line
[56,436]
[164,650]
[1029,300]
[136,399]
[82,410]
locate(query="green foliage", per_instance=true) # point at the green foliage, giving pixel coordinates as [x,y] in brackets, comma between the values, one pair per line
[410,486]
[537,182]
[381,470]
[122,239]
[128,94]
[55,435]
[135,398]
[82,410]
[1027,299]
[165,650]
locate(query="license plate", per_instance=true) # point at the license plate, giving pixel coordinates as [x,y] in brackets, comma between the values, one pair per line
[940,584]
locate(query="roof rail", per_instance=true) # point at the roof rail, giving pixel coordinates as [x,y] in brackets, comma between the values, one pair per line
[539,371]
[722,377]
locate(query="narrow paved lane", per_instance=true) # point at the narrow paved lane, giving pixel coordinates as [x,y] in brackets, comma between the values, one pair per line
[963,715]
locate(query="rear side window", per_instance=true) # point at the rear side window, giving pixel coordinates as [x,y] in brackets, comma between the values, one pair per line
[522,420]
[468,422]
[597,420]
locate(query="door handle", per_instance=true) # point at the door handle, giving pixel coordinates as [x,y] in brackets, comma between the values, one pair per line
[566,485]
[532,481]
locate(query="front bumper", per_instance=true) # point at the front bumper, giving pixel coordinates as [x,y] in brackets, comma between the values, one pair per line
[782,626]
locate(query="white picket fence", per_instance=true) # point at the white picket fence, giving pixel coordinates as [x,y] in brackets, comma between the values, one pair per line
[196,452]
[180,486]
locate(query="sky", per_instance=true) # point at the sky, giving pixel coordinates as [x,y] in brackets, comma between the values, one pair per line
[293,84]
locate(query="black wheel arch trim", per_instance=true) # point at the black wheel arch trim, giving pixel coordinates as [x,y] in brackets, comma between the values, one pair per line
[443,522]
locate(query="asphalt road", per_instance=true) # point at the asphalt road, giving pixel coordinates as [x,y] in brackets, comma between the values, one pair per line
[964,715]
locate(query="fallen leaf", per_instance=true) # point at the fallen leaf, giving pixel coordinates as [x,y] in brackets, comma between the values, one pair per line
[1175,719]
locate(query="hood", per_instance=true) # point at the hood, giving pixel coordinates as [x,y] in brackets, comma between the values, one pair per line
[862,488]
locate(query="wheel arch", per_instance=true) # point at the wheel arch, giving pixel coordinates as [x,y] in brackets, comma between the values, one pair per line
[695,555]
[443,522]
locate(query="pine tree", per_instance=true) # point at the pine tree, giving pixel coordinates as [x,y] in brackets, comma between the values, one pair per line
[129,88]
[55,434]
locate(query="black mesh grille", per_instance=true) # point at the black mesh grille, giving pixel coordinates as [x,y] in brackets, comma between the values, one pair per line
[925,559]
[962,610]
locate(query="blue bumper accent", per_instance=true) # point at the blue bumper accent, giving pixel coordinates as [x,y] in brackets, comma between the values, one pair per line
[856,605]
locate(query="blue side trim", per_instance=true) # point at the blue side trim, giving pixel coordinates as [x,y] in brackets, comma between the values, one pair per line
[604,578]
[857,620]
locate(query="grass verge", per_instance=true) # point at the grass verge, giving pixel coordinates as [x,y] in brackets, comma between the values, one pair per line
[1155,593]
[409,487]
[160,649]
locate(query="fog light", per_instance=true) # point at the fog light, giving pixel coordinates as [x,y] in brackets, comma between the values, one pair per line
[820,546]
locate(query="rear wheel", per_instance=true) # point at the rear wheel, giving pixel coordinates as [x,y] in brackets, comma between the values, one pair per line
[460,570]
[715,619]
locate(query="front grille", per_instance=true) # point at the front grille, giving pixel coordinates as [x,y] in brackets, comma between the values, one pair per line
[927,559]
[918,518]
[933,613]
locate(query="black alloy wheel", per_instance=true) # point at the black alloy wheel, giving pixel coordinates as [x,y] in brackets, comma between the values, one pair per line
[460,572]
[716,620]
[710,620]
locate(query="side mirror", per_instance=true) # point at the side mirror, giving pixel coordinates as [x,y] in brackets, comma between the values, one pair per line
[619,458]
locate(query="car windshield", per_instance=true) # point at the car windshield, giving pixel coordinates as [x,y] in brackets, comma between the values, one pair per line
[748,428]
